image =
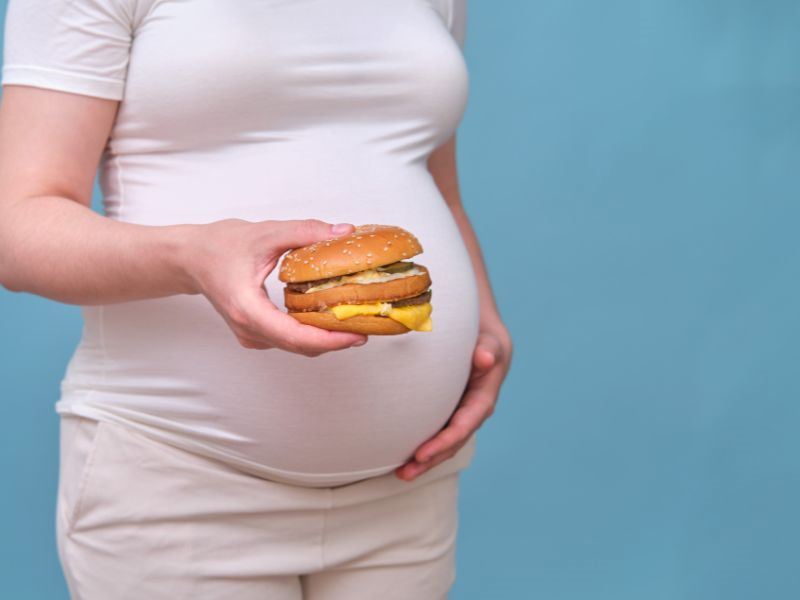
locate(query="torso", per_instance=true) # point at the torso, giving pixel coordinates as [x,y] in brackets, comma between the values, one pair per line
[283,110]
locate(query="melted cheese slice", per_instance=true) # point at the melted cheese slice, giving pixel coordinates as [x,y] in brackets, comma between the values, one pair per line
[416,317]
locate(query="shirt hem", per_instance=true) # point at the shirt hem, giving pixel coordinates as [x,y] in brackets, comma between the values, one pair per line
[64,81]
[63,408]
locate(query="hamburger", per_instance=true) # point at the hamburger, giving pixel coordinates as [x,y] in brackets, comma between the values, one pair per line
[363,282]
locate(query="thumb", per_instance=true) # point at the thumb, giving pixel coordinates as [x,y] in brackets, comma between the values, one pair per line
[486,355]
[287,235]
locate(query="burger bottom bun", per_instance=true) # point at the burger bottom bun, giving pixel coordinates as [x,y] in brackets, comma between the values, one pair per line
[366,324]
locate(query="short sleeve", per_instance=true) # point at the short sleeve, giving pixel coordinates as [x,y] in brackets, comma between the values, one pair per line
[79,46]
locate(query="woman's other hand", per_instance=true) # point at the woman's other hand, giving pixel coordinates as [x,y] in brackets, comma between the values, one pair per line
[228,261]
[491,361]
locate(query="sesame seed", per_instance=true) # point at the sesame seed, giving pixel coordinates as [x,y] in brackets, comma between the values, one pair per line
[369,253]
[358,237]
[385,248]
[324,262]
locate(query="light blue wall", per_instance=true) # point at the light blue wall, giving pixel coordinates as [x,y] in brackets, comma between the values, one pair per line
[633,171]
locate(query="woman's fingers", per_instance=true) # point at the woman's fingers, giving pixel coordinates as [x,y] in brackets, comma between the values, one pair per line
[277,327]
[488,352]
[414,469]
[307,340]
[490,362]
[476,406]
[229,260]
[285,235]
[483,359]
[252,344]
[282,331]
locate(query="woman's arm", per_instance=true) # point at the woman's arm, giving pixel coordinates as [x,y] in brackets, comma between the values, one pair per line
[52,244]
[491,359]
[443,167]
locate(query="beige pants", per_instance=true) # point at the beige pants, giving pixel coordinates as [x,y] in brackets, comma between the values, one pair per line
[138,519]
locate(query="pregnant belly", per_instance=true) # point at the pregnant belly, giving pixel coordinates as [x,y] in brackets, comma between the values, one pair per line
[172,368]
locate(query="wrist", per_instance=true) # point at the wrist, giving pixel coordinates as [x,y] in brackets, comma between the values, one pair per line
[490,321]
[178,248]
[492,324]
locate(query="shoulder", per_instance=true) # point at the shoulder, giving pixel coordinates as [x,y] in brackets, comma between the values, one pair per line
[78,46]
[128,13]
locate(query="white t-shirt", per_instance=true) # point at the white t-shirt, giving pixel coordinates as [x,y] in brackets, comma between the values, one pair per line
[267,109]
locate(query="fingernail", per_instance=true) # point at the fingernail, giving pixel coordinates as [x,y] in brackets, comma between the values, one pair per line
[358,343]
[341,228]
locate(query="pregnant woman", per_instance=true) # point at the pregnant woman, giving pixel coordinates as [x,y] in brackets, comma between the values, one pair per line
[211,446]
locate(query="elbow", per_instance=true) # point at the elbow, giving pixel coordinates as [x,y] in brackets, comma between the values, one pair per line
[8,287]
[8,280]
[7,283]
[15,260]
[5,278]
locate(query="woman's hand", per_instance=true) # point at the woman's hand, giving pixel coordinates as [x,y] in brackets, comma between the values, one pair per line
[227,261]
[490,363]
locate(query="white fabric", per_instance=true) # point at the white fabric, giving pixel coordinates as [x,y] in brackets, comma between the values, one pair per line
[138,519]
[266,109]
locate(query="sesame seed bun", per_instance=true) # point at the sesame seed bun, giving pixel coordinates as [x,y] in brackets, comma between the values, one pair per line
[355,293]
[366,249]
[369,246]
[366,324]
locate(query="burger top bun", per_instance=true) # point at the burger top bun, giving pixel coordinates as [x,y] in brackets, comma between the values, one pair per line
[369,246]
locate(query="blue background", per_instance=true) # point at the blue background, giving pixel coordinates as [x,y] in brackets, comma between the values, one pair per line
[633,172]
